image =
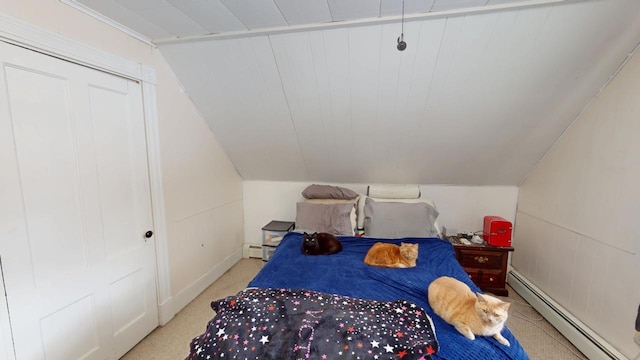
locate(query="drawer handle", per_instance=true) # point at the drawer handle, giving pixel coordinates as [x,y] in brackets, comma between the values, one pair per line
[481,259]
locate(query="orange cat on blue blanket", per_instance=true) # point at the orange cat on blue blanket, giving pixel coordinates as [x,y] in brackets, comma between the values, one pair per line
[470,313]
[392,255]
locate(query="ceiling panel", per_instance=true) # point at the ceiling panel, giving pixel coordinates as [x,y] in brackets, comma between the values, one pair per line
[142,5]
[297,73]
[211,15]
[336,48]
[253,124]
[501,2]
[354,9]
[427,44]
[256,14]
[172,21]
[444,5]
[394,7]
[304,12]
[364,64]
[127,17]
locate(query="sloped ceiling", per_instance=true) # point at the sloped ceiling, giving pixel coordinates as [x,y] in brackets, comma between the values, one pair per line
[482,91]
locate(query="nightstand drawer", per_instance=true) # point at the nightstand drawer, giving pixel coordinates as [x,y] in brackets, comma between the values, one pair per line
[486,278]
[481,259]
[486,265]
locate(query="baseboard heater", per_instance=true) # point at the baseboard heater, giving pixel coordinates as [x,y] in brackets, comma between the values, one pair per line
[586,340]
[252,251]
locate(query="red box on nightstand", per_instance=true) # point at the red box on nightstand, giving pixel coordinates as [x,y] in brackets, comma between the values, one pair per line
[497,231]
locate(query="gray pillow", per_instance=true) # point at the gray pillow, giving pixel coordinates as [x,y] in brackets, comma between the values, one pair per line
[316,191]
[329,218]
[397,220]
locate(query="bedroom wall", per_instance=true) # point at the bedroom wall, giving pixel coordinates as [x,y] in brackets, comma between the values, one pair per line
[578,210]
[202,190]
[460,207]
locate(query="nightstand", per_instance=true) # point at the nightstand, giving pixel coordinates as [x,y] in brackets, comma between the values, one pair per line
[272,234]
[485,264]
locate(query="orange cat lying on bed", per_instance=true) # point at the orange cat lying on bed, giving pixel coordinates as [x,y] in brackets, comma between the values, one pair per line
[391,255]
[470,313]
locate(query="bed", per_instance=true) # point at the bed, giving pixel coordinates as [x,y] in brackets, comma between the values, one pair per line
[337,307]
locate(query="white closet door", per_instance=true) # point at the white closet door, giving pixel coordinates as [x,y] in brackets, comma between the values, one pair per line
[74,209]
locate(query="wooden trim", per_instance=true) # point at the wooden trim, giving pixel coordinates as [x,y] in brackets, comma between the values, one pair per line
[28,36]
[96,15]
[360,22]
[163,283]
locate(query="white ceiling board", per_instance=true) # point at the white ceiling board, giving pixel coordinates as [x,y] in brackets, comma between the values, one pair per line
[172,21]
[336,47]
[500,2]
[297,73]
[364,63]
[304,12]
[394,7]
[211,15]
[471,72]
[125,16]
[269,127]
[332,127]
[255,121]
[579,86]
[386,126]
[426,46]
[142,5]
[434,111]
[354,9]
[443,5]
[256,14]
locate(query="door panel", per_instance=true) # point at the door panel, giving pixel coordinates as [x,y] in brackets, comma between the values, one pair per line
[46,153]
[78,318]
[79,273]
[118,156]
[124,310]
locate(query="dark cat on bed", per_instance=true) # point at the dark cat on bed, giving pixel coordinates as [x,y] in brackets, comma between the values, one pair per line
[320,244]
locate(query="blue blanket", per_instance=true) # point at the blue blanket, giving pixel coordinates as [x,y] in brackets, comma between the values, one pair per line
[346,274]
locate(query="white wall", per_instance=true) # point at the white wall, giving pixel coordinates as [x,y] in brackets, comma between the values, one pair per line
[460,207]
[202,190]
[576,225]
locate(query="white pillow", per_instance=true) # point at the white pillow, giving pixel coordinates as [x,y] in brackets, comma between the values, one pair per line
[393,191]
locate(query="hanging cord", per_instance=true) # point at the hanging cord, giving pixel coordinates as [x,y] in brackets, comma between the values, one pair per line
[402,32]
[401,44]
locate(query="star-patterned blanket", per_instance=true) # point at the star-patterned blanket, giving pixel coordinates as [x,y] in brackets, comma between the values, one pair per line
[302,324]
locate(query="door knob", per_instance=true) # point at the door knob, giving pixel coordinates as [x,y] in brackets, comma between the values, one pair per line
[148,234]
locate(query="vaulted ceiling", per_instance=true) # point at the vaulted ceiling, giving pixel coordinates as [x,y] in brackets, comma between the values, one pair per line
[317,91]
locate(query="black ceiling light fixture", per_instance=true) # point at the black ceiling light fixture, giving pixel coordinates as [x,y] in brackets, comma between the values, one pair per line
[401,44]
